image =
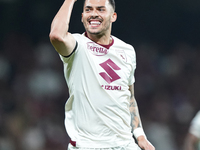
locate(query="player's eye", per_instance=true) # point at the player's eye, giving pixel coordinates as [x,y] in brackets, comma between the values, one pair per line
[101,9]
[87,9]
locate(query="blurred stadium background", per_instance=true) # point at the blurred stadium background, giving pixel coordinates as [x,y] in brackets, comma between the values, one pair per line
[165,34]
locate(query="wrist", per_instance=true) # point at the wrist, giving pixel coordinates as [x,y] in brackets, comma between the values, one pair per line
[139,132]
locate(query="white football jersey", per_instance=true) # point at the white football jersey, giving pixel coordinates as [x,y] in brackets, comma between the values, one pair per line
[97,112]
[195,125]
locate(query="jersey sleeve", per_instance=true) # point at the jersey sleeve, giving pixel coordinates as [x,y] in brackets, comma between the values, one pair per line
[133,63]
[68,59]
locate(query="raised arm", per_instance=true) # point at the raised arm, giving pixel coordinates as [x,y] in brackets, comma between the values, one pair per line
[136,123]
[61,39]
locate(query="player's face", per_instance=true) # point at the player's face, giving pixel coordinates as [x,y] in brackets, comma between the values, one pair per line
[97,16]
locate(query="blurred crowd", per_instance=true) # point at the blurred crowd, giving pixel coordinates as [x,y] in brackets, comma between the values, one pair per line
[167,90]
[33,93]
[32,96]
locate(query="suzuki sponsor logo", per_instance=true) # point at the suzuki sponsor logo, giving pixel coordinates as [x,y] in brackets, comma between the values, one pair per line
[96,49]
[111,88]
[109,75]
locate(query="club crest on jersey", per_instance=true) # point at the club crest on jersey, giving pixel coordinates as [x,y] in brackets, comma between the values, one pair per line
[96,49]
[122,55]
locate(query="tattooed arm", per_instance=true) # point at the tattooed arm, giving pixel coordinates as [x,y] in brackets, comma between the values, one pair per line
[135,117]
[136,123]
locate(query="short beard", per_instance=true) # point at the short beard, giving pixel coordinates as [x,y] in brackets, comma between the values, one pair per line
[98,33]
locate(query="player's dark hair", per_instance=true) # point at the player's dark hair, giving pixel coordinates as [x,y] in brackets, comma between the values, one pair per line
[112,3]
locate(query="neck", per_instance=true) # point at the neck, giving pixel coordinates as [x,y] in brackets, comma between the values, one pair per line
[100,39]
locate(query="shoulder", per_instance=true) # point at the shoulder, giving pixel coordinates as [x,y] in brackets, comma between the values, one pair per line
[79,36]
[126,50]
[119,42]
[121,45]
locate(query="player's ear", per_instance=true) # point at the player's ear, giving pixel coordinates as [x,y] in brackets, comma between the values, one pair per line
[82,17]
[114,17]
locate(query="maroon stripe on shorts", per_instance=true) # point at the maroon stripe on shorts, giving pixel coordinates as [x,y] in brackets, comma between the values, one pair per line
[73,143]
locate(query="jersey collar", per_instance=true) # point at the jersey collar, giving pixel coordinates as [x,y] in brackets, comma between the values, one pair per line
[106,46]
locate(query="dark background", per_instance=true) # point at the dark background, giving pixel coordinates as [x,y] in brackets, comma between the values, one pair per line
[165,35]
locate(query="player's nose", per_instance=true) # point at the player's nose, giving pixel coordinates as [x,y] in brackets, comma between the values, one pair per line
[95,13]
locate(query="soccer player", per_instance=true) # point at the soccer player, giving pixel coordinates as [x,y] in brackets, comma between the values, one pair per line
[192,140]
[101,111]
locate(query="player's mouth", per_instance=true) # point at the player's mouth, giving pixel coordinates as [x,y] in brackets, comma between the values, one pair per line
[95,23]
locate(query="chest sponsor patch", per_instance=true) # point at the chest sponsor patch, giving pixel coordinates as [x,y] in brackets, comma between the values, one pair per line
[96,49]
[109,75]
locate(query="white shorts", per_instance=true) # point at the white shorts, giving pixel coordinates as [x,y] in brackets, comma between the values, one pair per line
[131,146]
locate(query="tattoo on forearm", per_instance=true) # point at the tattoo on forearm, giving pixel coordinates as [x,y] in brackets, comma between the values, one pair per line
[135,118]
